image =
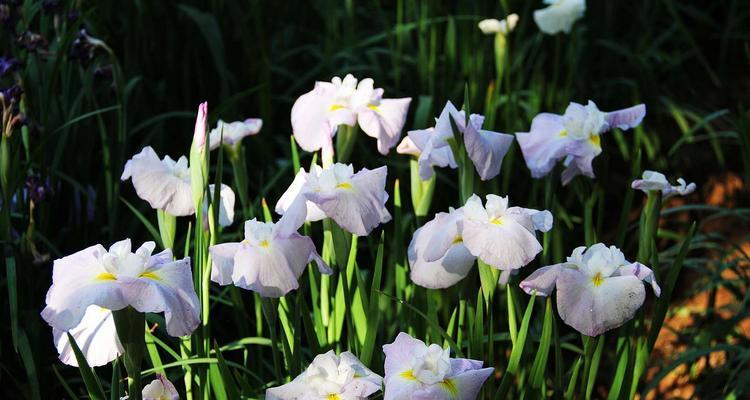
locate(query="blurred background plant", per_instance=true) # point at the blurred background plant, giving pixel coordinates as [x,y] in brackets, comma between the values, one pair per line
[86,85]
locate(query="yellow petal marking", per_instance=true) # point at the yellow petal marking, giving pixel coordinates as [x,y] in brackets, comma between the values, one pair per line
[264,244]
[408,375]
[449,387]
[336,107]
[150,275]
[496,221]
[595,140]
[333,396]
[564,133]
[344,185]
[106,276]
[597,279]
[458,239]
[373,108]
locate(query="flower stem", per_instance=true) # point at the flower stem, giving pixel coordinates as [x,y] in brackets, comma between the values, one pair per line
[129,324]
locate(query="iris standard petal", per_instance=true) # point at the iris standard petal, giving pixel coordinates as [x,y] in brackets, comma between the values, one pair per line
[95,335]
[166,288]
[310,123]
[544,145]
[297,189]
[593,308]
[78,281]
[384,122]
[226,203]
[160,389]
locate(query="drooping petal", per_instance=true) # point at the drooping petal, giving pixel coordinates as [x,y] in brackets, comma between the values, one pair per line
[233,132]
[539,220]
[544,145]
[310,121]
[160,389]
[166,288]
[446,271]
[96,336]
[467,384]
[222,257]
[399,385]
[542,281]
[627,117]
[486,148]
[594,306]
[407,146]
[443,235]
[358,207]
[656,181]
[294,390]
[579,165]
[365,382]
[156,183]
[385,121]
[641,272]
[79,281]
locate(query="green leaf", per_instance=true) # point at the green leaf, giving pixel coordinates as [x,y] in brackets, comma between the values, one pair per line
[151,229]
[226,377]
[539,366]
[10,273]
[93,386]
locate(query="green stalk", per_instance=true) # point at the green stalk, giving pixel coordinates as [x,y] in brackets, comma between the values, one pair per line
[649,227]
[167,227]
[346,136]
[129,324]
[237,159]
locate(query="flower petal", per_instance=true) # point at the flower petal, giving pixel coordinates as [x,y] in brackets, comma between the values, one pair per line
[542,281]
[166,288]
[467,384]
[96,336]
[385,122]
[594,309]
[310,123]
[627,117]
[486,148]
[641,272]
[222,257]
[447,270]
[154,182]
[78,281]
[296,189]
[544,145]
[505,246]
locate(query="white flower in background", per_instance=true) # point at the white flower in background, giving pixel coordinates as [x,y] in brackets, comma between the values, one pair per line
[330,377]
[233,132]
[95,335]
[486,149]
[415,371]
[165,185]
[119,278]
[559,15]
[656,181]
[493,26]
[356,202]
[160,389]
[268,261]
[597,289]
[442,252]
[317,114]
[574,137]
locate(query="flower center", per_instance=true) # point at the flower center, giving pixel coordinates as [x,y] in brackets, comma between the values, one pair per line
[458,239]
[344,185]
[496,221]
[595,140]
[597,280]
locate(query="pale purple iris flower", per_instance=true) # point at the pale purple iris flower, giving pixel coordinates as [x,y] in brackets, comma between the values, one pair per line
[232,133]
[574,138]
[442,252]
[414,370]
[119,278]
[356,202]
[559,15]
[330,376]
[160,389]
[597,289]
[166,185]
[95,335]
[656,181]
[486,149]
[270,259]
[317,114]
